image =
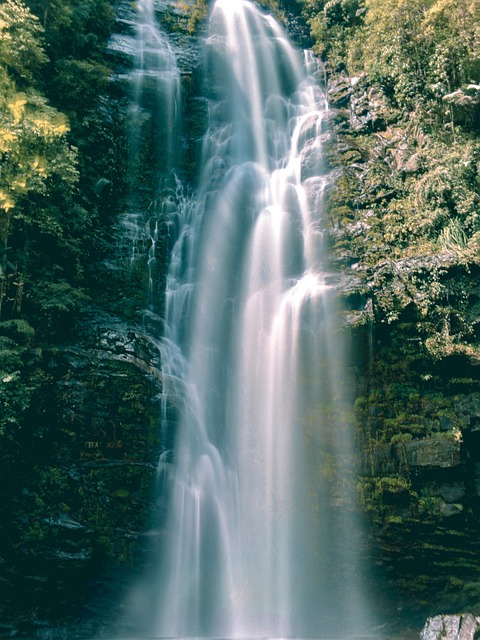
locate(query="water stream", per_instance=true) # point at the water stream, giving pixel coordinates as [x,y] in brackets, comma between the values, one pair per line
[262,536]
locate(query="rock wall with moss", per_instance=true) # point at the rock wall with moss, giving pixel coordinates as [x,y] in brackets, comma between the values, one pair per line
[80,388]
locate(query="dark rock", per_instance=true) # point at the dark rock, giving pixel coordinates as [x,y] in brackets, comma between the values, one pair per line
[128,346]
[8,630]
[80,555]
[477,478]
[452,492]
[121,50]
[381,462]
[413,164]
[468,410]
[65,522]
[337,117]
[445,423]
[438,451]
[466,97]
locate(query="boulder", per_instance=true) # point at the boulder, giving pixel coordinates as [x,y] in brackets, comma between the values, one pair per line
[452,492]
[463,626]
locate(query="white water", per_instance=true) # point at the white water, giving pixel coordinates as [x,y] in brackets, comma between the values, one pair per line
[261,534]
[156,80]
[155,140]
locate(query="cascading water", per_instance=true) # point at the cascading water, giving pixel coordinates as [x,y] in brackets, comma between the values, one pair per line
[261,535]
[156,81]
[154,149]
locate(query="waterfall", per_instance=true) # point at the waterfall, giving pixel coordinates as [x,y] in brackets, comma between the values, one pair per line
[261,535]
[154,129]
[156,81]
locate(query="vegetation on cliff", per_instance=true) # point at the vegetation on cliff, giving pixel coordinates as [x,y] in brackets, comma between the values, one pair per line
[72,468]
[406,103]
[403,216]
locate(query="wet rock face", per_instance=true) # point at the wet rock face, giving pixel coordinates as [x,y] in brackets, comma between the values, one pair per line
[360,109]
[82,500]
[340,90]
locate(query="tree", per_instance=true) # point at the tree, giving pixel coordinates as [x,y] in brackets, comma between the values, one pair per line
[33,143]
[21,50]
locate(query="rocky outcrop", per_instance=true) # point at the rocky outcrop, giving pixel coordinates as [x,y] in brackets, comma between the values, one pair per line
[451,627]
[437,452]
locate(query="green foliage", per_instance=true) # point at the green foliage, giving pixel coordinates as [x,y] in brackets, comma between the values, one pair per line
[385,496]
[17,330]
[95,504]
[33,146]
[72,28]
[21,50]
[333,24]
[402,207]
[409,216]
[18,379]
[50,201]
[189,20]
[14,396]
[79,83]
[38,163]
[63,154]
[197,14]
[400,438]
[56,305]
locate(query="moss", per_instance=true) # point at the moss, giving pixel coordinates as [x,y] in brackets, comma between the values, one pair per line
[188,20]
[400,438]
[361,404]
